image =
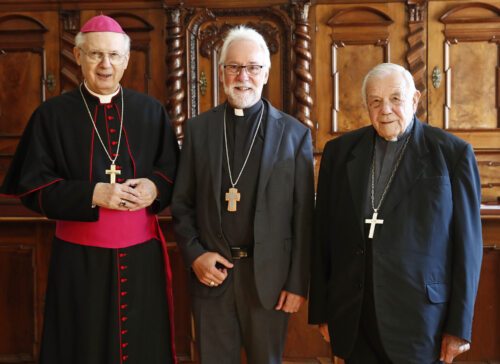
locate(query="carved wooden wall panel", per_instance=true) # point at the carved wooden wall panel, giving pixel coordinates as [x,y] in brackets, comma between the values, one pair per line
[17,285]
[175,80]
[358,36]
[70,70]
[416,55]
[303,65]
[476,22]
[474,65]
[195,35]
[206,29]
[24,250]
[463,46]
[365,50]
[489,169]
[25,39]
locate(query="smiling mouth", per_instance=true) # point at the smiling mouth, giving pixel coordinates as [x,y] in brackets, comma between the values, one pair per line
[242,88]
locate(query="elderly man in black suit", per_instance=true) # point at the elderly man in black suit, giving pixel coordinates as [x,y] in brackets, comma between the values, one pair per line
[242,209]
[398,247]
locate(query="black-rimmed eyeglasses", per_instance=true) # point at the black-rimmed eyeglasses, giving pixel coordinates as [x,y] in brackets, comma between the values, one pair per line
[235,69]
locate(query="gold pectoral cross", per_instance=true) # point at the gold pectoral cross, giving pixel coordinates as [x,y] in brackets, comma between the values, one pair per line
[232,196]
[112,171]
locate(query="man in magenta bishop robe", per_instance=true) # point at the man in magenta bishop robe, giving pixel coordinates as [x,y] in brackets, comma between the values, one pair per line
[101,160]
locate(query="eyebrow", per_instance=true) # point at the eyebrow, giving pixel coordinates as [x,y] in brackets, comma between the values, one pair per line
[398,93]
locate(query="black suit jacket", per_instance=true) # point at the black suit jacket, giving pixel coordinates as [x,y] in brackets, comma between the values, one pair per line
[426,255]
[284,206]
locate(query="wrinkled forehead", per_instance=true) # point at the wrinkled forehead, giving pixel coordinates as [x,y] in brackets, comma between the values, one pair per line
[387,85]
[105,41]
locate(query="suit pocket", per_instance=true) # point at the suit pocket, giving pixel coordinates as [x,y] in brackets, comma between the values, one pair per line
[437,292]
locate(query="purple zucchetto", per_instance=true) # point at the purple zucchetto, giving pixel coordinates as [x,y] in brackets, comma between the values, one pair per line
[102,23]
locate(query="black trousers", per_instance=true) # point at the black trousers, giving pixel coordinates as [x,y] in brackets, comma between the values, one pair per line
[236,319]
[368,348]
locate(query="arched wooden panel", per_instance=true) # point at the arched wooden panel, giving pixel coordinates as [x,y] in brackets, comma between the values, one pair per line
[22,42]
[360,36]
[471,48]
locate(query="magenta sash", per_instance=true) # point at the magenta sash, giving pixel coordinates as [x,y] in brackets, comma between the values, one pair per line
[114,229]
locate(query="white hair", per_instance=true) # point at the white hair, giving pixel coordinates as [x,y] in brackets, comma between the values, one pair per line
[386,69]
[80,40]
[242,32]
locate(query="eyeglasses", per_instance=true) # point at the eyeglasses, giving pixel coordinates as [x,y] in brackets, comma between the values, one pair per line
[235,69]
[115,58]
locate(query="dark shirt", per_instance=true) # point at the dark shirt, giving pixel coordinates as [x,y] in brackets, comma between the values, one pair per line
[386,156]
[237,226]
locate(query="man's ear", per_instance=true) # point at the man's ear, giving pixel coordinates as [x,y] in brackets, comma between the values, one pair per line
[221,73]
[77,53]
[266,76]
[416,98]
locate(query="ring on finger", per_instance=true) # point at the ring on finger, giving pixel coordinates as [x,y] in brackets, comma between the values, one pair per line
[122,203]
[212,283]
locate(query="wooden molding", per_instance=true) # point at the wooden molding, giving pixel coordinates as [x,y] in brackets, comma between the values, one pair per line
[416,55]
[365,17]
[303,61]
[462,14]
[175,70]
[69,70]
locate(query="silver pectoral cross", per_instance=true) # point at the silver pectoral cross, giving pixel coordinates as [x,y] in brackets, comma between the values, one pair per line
[112,171]
[373,221]
[232,196]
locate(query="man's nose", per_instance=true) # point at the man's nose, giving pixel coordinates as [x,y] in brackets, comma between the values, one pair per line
[105,61]
[386,107]
[242,74]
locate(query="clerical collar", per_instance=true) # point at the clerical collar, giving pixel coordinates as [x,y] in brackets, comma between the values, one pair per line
[103,99]
[399,137]
[244,112]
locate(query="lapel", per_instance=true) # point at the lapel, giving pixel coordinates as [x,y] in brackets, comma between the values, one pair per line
[272,140]
[358,171]
[410,169]
[215,139]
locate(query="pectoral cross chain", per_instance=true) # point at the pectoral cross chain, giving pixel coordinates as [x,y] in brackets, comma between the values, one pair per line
[112,171]
[373,221]
[232,196]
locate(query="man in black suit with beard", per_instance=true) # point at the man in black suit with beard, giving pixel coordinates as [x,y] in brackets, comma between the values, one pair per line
[242,210]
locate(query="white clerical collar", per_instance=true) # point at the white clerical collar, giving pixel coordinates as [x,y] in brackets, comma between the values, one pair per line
[246,111]
[103,99]
[403,134]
